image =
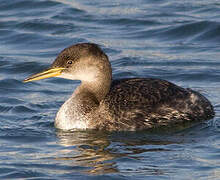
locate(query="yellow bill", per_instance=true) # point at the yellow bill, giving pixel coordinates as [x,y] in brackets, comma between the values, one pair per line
[45,74]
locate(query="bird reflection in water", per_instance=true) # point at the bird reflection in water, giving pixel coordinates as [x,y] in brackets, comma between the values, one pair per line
[88,149]
[98,152]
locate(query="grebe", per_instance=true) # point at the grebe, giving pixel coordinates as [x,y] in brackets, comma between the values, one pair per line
[119,105]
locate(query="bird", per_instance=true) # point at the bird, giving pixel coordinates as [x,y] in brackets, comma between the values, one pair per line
[129,104]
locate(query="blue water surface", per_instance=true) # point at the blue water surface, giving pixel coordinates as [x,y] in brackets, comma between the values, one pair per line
[175,40]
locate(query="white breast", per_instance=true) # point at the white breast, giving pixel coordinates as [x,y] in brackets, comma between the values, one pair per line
[69,117]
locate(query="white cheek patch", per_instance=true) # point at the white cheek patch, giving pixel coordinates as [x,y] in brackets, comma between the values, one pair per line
[88,74]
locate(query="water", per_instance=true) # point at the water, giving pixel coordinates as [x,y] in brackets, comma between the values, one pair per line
[175,40]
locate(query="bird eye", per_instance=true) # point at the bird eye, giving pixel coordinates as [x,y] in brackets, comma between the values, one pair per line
[69,62]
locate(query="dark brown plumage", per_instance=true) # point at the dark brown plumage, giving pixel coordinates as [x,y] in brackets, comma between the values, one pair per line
[145,103]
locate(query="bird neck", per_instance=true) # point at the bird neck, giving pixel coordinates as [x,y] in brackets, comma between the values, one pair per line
[98,88]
